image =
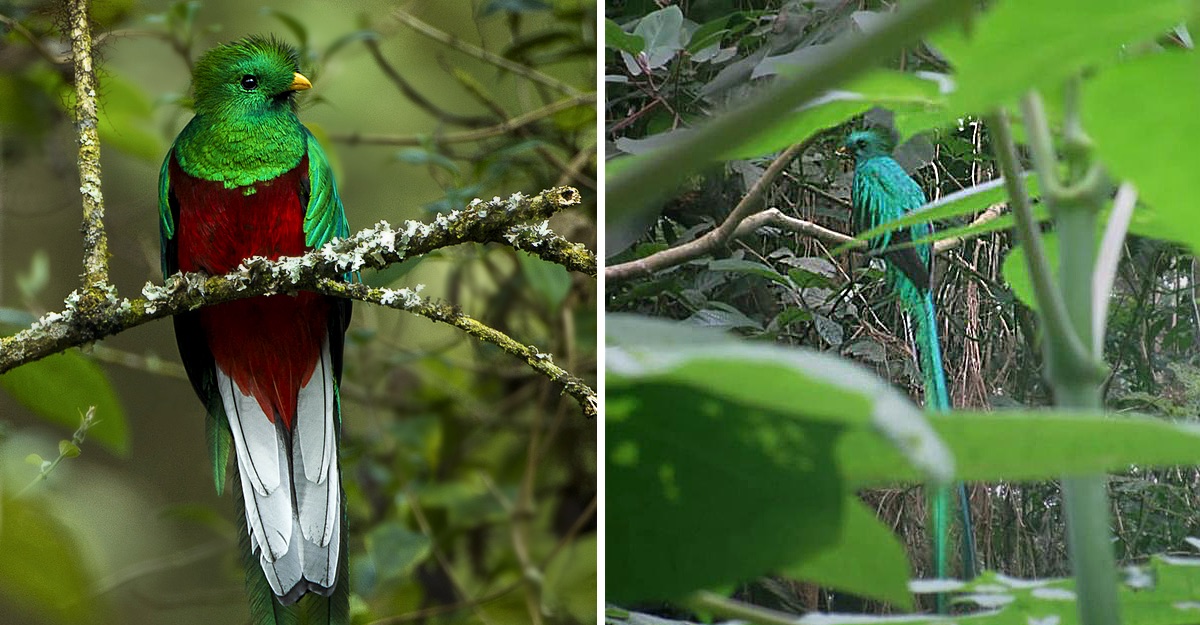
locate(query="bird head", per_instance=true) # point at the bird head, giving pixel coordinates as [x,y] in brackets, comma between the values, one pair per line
[252,76]
[865,144]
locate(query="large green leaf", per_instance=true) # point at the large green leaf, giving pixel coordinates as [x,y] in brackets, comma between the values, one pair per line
[895,90]
[41,570]
[867,559]
[1027,446]
[711,438]
[1019,44]
[1142,115]
[60,389]
[706,492]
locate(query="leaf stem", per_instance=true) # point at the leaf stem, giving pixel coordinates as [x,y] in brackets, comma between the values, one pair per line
[1050,301]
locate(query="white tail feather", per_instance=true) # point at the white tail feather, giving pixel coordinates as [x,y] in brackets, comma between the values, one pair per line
[302,540]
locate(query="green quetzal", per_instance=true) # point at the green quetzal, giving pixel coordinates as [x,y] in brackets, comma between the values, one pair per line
[883,192]
[245,178]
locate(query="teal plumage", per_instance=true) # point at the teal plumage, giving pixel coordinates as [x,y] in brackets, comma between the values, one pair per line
[883,192]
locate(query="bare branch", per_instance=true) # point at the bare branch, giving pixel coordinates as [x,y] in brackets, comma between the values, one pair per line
[454,42]
[503,128]
[713,238]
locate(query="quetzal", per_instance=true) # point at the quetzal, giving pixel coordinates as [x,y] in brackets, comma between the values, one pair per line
[246,178]
[883,192]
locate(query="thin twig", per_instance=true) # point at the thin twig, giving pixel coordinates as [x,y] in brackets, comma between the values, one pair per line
[503,128]
[1050,301]
[46,53]
[419,515]
[454,42]
[414,96]
[713,238]
[95,242]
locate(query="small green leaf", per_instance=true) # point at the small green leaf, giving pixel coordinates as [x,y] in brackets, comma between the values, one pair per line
[663,33]
[59,388]
[492,7]
[422,156]
[748,267]
[32,283]
[552,282]
[299,30]
[616,37]
[1016,271]
[68,449]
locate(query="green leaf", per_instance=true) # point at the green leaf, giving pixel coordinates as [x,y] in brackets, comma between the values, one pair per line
[616,37]
[663,33]
[895,90]
[673,452]
[289,21]
[749,267]
[866,560]
[552,282]
[422,156]
[68,449]
[32,283]
[718,318]
[1136,142]
[1016,272]
[41,570]
[1029,445]
[492,7]
[60,389]
[771,377]
[1021,44]
[695,417]
[394,551]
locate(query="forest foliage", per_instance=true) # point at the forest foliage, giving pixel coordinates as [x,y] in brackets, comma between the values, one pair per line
[761,385]
[470,477]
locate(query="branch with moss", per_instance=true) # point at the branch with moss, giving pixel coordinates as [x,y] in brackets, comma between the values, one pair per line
[95,242]
[517,221]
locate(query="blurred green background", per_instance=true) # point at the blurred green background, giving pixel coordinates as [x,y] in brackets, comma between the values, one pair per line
[457,457]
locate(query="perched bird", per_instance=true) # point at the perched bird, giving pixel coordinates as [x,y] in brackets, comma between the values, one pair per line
[883,192]
[245,178]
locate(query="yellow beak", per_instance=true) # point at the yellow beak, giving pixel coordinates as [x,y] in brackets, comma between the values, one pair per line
[299,83]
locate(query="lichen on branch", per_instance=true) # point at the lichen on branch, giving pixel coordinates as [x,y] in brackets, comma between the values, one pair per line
[502,221]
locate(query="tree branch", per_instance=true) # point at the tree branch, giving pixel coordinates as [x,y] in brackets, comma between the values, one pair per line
[454,42]
[469,136]
[95,242]
[84,320]
[713,238]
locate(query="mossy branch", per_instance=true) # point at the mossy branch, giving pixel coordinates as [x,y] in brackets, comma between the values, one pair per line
[95,242]
[504,221]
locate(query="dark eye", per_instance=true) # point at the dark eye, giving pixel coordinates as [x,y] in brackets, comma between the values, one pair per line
[861,143]
[249,82]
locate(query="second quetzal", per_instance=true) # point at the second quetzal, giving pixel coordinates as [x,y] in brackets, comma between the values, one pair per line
[245,178]
[882,191]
